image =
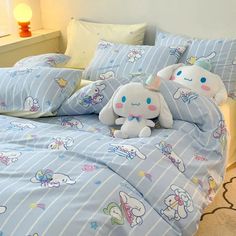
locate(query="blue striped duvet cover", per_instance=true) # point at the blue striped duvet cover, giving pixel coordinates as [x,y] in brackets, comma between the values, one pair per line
[68,176]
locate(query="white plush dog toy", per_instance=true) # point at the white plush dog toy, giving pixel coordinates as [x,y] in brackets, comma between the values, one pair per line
[198,78]
[133,106]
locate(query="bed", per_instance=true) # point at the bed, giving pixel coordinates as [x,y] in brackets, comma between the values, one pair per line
[62,172]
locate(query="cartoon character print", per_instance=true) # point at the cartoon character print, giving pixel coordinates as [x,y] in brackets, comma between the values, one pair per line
[107,75]
[20,72]
[130,209]
[186,95]
[177,51]
[62,83]
[8,158]
[193,59]
[3,209]
[221,133]
[71,123]
[20,126]
[51,61]
[167,150]
[178,204]
[61,143]
[31,104]
[135,54]
[94,96]
[104,45]
[127,151]
[212,188]
[47,178]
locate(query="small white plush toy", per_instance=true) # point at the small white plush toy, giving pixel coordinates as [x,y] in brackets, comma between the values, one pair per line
[198,78]
[133,106]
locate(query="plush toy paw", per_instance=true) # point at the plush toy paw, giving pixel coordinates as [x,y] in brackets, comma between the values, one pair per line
[120,134]
[145,132]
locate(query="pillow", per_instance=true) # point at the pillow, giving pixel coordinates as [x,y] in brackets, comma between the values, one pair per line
[35,92]
[220,52]
[121,60]
[49,60]
[91,98]
[83,37]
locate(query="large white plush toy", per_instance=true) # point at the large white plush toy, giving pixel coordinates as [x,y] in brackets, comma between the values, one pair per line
[133,106]
[198,78]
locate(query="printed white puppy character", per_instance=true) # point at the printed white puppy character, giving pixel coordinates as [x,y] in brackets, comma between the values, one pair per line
[8,158]
[107,75]
[135,54]
[49,179]
[3,209]
[21,125]
[178,204]
[31,104]
[127,151]
[61,143]
[130,209]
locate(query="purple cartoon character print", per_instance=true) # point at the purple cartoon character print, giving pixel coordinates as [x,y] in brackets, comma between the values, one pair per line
[178,204]
[221,133]
[94,96]
[186,95]
[127,151]
[71,122]
[130,209]
[31,104]
[47,178]
[177,51]
[167,150]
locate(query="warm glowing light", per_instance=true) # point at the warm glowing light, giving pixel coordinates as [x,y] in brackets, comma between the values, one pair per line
[22,13]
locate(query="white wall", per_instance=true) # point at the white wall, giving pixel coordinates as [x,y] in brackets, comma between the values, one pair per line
[199,18]
[36,22]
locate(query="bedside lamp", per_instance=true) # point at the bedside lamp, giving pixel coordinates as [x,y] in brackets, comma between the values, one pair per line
[23,15]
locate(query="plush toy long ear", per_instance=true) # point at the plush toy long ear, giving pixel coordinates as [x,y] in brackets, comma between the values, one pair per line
[107,115]
[221,96]
[165,117]
[167,72]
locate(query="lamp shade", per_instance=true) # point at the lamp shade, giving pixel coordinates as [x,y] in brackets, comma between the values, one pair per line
[22,13]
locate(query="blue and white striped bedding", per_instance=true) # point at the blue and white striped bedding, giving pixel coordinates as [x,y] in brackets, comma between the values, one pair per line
[68,176]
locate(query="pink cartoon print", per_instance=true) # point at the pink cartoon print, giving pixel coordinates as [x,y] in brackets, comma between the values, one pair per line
[31,104]
[186,95]
[167,150]
[47,178]
[107,75]
[221,134]
[178,204]
[89,167]
[61,143]
[8,158]
[130,209]
[135,54]
[3,209]
[71,123]
[94,96]
[127,151]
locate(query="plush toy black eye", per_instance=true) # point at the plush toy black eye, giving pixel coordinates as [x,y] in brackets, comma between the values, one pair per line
[203,80]
[123,99]
[149,100]
[179,72]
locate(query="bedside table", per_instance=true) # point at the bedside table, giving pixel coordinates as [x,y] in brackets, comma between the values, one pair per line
[13,48]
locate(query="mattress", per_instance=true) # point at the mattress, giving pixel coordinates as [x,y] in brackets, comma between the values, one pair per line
[229,111]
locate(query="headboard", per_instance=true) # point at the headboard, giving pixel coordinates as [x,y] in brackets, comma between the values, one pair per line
[196,18]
